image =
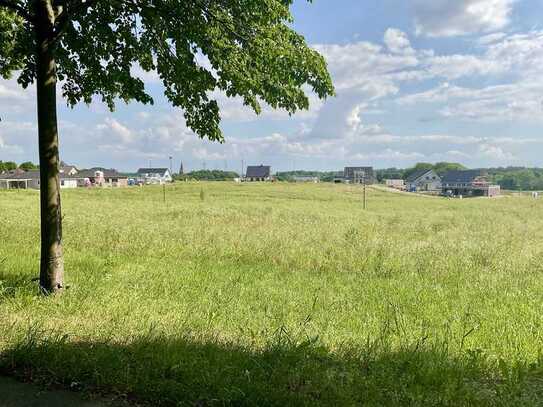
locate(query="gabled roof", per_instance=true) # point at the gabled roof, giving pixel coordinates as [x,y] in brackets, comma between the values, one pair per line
[67,168]
[460,176]
[22,175]
[91,173]
[258,171]
[417,174]
[162,171]
[35,174]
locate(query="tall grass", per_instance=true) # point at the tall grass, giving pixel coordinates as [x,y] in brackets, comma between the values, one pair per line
[280,294]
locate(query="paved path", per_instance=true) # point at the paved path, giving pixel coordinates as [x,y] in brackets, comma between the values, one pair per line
[16,394]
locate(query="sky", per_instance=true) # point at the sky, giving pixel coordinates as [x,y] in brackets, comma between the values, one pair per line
[416,81]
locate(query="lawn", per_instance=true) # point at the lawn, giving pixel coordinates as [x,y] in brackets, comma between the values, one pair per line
[279,294]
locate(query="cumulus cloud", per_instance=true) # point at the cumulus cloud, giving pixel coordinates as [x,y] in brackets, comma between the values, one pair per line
[445,18]
[397,42]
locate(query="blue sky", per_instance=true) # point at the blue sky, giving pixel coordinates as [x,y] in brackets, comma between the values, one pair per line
[416,80]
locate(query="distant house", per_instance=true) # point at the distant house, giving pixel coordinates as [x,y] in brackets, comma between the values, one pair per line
[360,175]
[155,175]
[395,183]
[31,180]
[68,170]
[423,180]
[468,183]
[300,178]
[258,173]
[100,177]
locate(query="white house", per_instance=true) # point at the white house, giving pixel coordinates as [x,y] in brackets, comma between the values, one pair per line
[31,180]
[155,175]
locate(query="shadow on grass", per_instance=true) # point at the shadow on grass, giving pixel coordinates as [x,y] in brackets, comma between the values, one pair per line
[12,285]
[163,371]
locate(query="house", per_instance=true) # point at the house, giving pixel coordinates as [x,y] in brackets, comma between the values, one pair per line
[359,175]
[423,180]
[314,180]
[68,170]
[100,177]
[258,173]
[395,183]
[155,175]
[31,180]
[468,183]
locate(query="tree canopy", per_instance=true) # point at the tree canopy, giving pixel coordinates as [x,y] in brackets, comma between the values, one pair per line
[243,48]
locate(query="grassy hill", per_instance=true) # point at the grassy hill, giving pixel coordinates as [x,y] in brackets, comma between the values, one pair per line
[279,294]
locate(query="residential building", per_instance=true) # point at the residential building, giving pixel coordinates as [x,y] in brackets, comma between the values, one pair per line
[101,177]
[68,170]
[31,180]
[258,173]
[395,183]
[300,178]
[423,180]
[155,175]
[468,183]
[359,175]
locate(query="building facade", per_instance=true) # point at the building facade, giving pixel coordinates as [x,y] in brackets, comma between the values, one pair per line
[423,181]
[468,183]
[359,175]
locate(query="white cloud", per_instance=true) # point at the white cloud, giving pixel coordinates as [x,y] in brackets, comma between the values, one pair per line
[397,42]
[445,18]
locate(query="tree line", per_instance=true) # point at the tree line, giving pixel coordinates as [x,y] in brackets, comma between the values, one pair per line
[6,166]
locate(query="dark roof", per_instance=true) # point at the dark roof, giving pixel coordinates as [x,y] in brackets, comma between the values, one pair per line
[32,174]
[22,175]
[91,173]
[461,176]
[152,170]
[417,174]
[258,171]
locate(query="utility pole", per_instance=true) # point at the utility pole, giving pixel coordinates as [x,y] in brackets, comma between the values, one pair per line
[242,167]
[364,182]
[171,167]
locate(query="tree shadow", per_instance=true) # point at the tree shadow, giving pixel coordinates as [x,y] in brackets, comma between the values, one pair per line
[12,285]
[181,371]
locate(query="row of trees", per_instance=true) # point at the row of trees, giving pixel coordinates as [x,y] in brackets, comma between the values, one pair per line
[207,175]
[11,165]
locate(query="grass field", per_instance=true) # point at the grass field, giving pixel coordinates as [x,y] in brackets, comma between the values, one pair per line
[279,294]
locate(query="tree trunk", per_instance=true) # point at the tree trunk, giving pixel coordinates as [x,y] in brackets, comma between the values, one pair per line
[52,260]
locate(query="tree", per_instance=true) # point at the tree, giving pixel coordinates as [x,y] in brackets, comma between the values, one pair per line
[442,167]
[27,166]
[244,48]
[7,166]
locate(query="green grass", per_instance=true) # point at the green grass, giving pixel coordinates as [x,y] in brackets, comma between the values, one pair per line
[280,294]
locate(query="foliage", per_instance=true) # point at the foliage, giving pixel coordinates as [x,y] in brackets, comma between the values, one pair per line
[7,166]
[515,178]
[243,48]
[289,175]
[280,294]
[27,166]
[207,175]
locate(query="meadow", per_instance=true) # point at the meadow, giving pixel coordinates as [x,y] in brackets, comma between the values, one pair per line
[279,294]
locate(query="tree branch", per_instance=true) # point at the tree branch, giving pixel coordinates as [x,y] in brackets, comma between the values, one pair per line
[18,9]
[68,12]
